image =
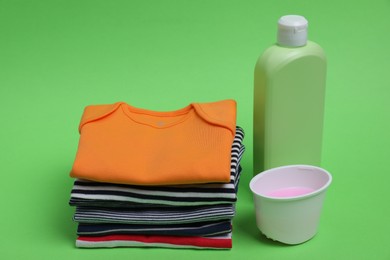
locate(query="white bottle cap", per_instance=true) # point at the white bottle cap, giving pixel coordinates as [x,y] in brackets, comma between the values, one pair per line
[292,31]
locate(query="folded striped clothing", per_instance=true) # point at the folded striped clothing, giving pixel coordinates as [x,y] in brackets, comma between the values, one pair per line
[86,193]
[160,216]
[196,242]
[187,229]
[90,193]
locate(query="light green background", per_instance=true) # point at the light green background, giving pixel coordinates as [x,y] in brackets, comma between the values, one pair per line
[56,57]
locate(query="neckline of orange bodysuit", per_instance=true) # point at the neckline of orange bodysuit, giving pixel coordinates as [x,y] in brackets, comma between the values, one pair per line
[185,112]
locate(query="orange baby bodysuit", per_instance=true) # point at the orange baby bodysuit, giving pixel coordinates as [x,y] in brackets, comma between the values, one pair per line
[123,144]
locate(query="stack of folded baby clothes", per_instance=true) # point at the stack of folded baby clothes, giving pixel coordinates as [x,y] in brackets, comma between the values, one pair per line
[157,179]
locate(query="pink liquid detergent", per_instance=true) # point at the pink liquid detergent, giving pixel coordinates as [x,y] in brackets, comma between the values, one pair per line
[290,192]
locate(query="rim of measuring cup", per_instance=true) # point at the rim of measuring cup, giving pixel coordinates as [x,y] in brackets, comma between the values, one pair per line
[310,194]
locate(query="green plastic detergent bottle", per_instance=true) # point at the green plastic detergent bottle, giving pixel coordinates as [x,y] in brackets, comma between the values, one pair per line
[289,92]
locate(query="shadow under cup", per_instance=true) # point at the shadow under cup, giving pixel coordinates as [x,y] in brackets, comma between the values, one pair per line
[288,201]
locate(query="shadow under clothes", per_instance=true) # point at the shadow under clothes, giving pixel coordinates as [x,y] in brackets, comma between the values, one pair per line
[60,214]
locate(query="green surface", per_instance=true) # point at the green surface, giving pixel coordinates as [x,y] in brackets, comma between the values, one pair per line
[58,56]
